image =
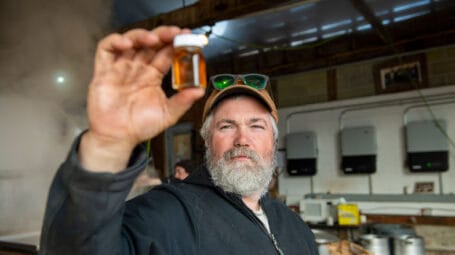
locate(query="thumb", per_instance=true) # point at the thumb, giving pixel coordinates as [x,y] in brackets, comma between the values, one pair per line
[179,103]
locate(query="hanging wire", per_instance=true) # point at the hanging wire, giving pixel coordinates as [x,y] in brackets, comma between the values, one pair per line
[417,88]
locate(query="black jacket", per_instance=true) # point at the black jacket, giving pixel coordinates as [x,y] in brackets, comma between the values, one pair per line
[86,214]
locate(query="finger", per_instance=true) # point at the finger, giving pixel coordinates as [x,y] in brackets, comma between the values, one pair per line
[166,33]
[144,76]
[109,48]
[181,102]
[142,38]
[157,38]
[163,59]
[113,45]
[115,42]
[148,43]
[145,55]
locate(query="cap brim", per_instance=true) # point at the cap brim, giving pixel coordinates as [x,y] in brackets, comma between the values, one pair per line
[238,89]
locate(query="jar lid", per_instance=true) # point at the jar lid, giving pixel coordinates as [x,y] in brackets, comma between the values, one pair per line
[190,40]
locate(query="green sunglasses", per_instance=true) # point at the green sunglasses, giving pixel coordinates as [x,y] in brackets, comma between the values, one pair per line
[254,80]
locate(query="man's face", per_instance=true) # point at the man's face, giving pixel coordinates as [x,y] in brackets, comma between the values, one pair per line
[240,149]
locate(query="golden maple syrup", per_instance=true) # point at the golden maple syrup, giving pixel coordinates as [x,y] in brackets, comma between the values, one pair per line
[188,64]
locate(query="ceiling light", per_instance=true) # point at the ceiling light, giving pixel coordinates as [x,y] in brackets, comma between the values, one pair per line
[304,32]
[411,5]
[248,53]
[60,79]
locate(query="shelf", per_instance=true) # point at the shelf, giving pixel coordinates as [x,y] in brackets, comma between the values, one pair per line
[410,219]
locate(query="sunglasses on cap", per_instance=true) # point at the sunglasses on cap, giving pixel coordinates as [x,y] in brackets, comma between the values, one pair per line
[254,80]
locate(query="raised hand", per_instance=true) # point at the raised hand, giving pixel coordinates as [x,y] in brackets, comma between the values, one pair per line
[126,104]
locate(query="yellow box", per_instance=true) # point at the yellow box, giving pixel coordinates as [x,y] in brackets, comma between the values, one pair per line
[348,214]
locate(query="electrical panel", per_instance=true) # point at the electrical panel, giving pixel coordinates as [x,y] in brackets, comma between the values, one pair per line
[301,153]
[358,150]
[427,146]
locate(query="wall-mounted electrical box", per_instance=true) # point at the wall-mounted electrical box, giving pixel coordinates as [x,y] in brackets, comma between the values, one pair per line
[427,146]
[358,150]
[301,153]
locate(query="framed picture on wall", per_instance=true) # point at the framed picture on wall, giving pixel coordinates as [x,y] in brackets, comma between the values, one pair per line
[179,144]
[401,74]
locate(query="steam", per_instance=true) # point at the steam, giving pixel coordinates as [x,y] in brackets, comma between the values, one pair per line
[41,40]
[44,39]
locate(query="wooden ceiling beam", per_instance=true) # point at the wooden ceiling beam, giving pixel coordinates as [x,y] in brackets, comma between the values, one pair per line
[364,9]
[208,12]
[414,35]
[430,31]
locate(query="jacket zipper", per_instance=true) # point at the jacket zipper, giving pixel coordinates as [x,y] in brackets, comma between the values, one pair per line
[275,243]
[236,201]
[269,234]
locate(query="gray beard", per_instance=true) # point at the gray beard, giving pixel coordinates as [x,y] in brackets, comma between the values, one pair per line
[242,178]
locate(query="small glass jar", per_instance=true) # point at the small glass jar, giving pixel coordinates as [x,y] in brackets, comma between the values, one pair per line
[188,65]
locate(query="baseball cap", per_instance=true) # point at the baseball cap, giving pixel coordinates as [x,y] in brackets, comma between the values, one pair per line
[239,88]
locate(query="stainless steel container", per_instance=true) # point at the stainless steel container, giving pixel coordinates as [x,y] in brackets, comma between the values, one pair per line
[323,238]
[409,245]
[378,245]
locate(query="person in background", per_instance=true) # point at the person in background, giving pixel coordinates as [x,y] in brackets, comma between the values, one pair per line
[183,168]
[221,208]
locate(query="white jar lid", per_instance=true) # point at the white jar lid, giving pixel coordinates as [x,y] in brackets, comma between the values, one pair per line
[190,40]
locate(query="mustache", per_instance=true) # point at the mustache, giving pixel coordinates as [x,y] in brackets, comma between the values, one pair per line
[242,151]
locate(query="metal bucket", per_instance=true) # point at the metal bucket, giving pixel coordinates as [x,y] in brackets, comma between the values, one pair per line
[378,245]
[323,238]
[409,245]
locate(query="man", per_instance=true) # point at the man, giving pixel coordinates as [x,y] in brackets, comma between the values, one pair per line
[221,209]
[183,168]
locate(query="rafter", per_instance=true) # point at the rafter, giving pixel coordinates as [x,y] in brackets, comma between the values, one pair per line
[362,7]
[206,12]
